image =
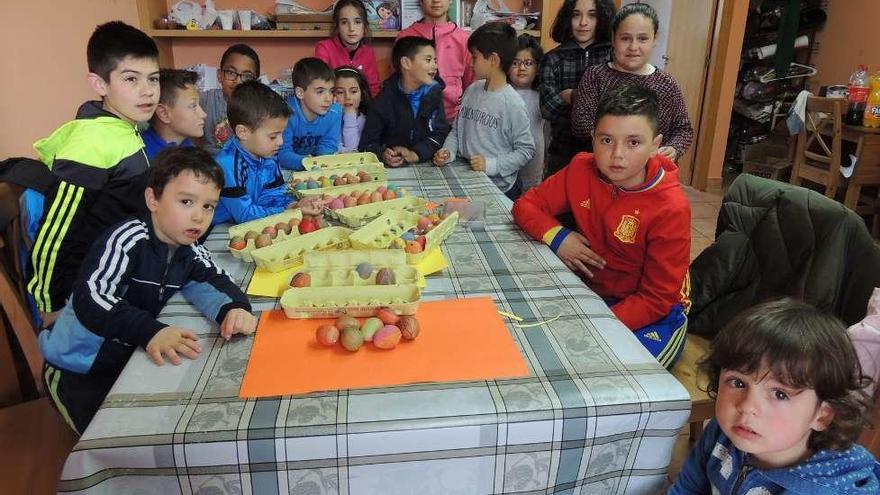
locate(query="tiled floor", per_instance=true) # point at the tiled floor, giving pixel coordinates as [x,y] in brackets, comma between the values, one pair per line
[704,213]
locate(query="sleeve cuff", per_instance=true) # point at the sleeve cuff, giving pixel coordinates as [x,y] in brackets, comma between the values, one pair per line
[221,315]
[491,167]
[151,332]
[555,236]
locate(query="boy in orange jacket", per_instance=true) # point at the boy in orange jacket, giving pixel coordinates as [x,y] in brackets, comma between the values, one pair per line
[633,240]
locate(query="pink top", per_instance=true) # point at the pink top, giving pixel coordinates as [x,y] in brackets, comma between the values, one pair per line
[453,59]
[363,59]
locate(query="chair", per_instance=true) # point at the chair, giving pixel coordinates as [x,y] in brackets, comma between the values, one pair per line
[687,373]
[36,440]
[814,159]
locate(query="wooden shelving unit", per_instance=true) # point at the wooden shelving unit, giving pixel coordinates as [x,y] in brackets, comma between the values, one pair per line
[318,34]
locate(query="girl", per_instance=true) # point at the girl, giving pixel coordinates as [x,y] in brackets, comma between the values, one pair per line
[453,56]
[583,30]
[346,45]
[522,77]
[353,93]
[388,17]
[789,405]
[634,30]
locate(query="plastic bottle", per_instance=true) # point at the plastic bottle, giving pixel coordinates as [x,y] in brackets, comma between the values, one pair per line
[872,106]
[857,95]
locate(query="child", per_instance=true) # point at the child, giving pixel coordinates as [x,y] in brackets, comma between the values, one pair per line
[406,123]
[238,64]
[314,127]
[254,185]
[788,408]
[98,159]
[492,130]
[583,30]
[346,45]
[634,30]
[522,77]
[129,275]
[453,55]
[353,94]
[178,116]
[633,220]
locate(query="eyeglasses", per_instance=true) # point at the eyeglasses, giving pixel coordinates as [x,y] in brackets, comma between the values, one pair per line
[232,74]
[528,64]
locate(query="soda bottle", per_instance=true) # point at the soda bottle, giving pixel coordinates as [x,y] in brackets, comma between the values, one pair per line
[872,106]
[857,95]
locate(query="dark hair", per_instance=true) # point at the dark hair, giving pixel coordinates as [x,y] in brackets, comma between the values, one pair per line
[241,49]
[635,8]
[409,47]
[629,99]
[253,102]
[389,6]
[173,80]
[174,160]
[533,46]
[112,42]
[803,348]
[362,10]
[309,69]
[366,96]
[562,32]
[494,37]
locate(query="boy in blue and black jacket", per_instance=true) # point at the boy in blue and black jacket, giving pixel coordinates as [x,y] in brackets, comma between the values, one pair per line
[407,121]
[129,275]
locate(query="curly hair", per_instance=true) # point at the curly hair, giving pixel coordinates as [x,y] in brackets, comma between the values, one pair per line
[561,31]
[803,348]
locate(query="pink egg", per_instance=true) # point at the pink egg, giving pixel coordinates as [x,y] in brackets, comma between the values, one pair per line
[336,204]
[381,189]
[376,197]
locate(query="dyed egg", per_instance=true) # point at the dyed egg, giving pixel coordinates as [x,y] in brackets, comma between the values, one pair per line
[307,225]
[370,327]
[385,277]
[251,234]
[313,184]
[346,321]
[270,230]
[326,182]
[375,197]
[364,270]
[422,240]
[423,223]
[299,186]
[363,199]
[413,247]
[340,181]
[408,236]
[388,316]
[283,227]
[389,194]
[349,201]
[238,243]
[387,337]
[352,339]
[381,189]
[294,222]
[327,335]
[337,204]
[263,240]
[301,279]
[409,327]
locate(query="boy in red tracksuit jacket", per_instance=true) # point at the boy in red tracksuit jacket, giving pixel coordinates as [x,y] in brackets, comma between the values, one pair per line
[633,221]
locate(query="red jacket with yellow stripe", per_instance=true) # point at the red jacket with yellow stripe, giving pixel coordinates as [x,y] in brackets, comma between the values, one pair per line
[643,233]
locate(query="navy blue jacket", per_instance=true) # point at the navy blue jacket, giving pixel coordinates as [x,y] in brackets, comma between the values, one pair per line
[253,186]
[123,284]
[392,122]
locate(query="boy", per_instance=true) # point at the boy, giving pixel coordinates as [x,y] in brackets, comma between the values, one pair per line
[633,240]
[316,123]
[406,123]
[492,130]
[238,64]
[178,117]
[789,406]
[129,275]
[98,160]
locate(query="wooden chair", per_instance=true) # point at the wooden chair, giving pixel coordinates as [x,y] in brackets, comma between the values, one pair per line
[36,440]
[818,150]
[685,370]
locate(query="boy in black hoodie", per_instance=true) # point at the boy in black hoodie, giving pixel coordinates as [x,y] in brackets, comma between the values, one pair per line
[406,123]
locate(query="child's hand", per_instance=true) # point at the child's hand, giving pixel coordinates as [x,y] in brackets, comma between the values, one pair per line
[441,156]
[478,163]
[392,157]
[408,155]
[311,205]
[565,94]
[576,254]
[237,321]
[668,152]
[171,341]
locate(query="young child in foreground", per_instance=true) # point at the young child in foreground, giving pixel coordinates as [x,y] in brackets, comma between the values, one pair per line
[789,405]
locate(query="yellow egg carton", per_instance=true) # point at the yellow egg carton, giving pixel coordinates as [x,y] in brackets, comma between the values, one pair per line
[357,216]
[381,232]
[357,301]
[283,255]
[346,189]
[434,237]
[350,258]
[376,171]
[340,160]
[257,226]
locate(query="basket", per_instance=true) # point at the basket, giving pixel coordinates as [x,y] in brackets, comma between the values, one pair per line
[768,159]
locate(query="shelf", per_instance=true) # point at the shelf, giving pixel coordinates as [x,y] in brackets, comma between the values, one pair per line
[318,33]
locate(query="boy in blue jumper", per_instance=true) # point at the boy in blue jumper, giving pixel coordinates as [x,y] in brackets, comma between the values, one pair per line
[129,275]
[316,123]
[179,116]
[789,405]
[407,121]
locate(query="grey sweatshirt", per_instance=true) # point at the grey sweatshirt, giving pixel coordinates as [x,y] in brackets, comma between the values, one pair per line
[533,172]
[493,124]
[216,123]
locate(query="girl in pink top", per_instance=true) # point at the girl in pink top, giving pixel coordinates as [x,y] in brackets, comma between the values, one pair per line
[346,45]
[453,57]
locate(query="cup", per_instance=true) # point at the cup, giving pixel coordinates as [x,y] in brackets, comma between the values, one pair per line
[244,17]
[836,91]
[226,17]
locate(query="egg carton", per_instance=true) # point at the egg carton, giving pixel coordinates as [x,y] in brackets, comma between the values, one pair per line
[350,277]
[258,226]
[335,191]
[363,301]
[340,160]
[376,171]
[381,232]
[351,258]
[283,255]
[434,237]
[358,216]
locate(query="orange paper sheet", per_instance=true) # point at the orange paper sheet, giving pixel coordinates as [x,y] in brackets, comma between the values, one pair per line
[460,340]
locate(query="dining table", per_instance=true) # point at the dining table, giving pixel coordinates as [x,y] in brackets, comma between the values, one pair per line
[596,413]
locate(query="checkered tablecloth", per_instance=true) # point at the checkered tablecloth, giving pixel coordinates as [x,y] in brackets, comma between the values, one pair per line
[597,415]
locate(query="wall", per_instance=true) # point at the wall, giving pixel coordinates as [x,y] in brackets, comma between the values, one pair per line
[847,40]
[44,67]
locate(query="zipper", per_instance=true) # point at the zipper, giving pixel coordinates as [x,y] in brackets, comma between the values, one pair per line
[743,472]
[164,275]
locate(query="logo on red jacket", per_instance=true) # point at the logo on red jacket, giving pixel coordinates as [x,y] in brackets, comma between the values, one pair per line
[627,228]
